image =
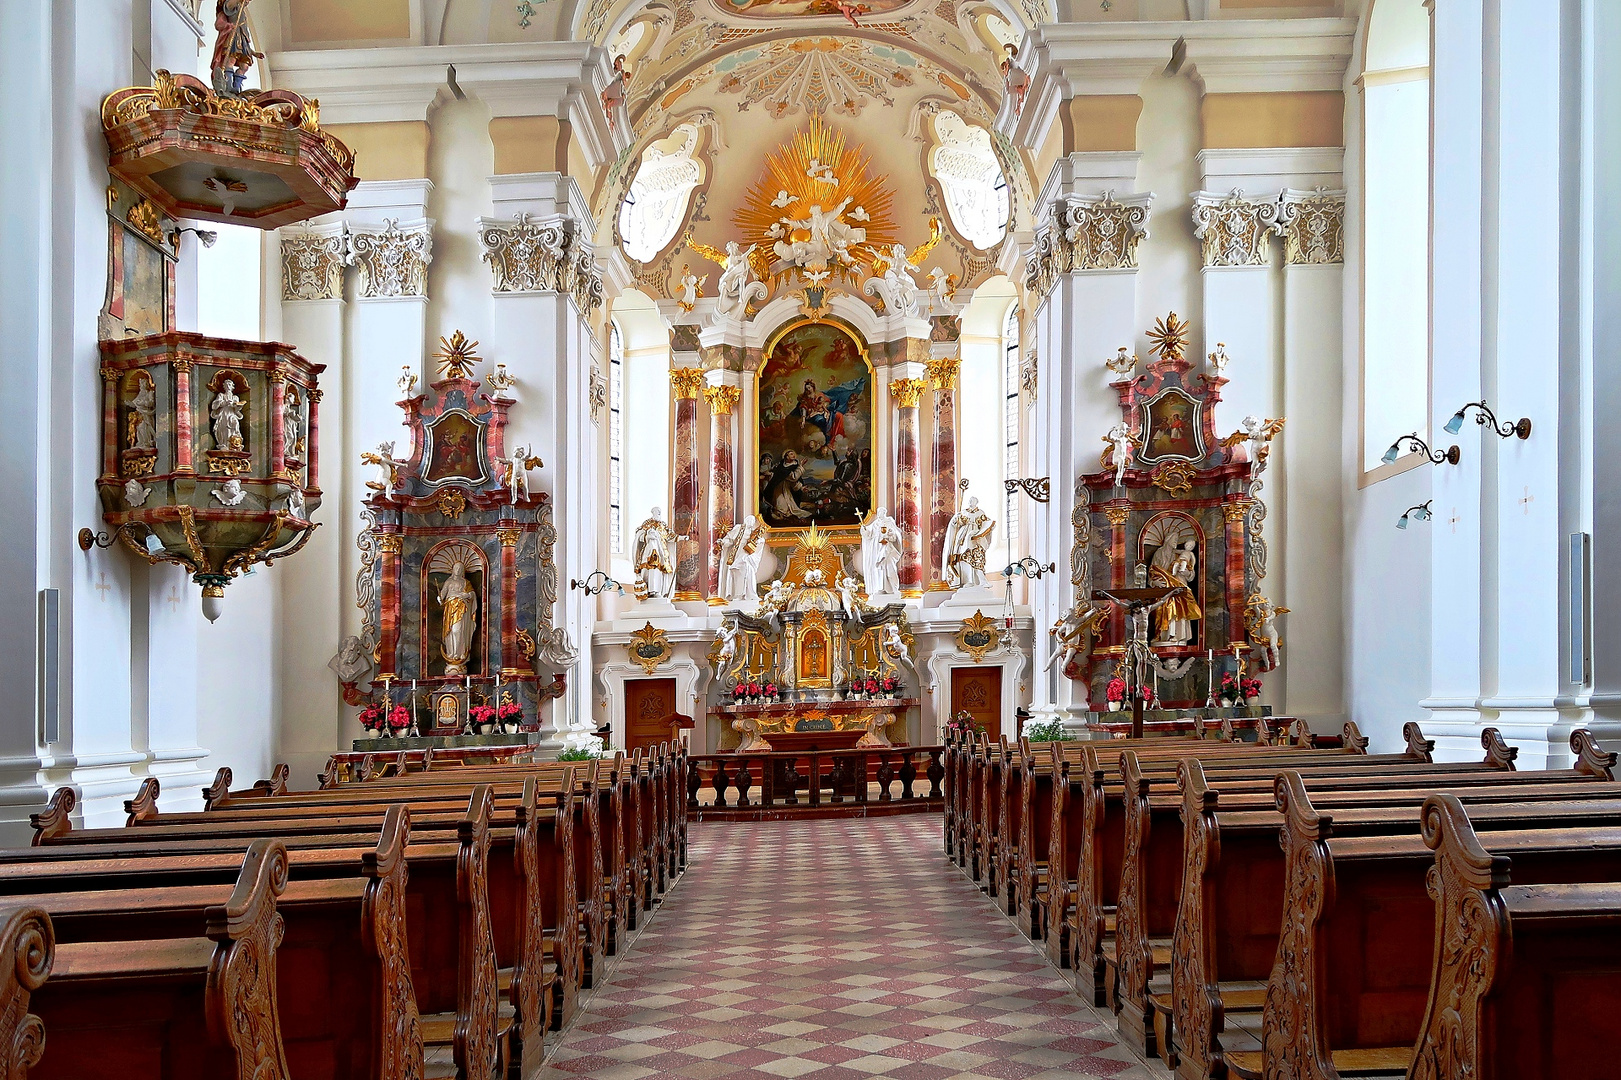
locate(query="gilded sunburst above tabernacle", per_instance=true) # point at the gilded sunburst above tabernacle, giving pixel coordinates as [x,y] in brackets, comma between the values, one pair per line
[1170,337]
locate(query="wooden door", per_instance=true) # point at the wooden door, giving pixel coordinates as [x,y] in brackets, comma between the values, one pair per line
[979,691]
[647,703]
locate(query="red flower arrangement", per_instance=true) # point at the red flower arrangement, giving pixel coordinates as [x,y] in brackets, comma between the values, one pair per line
[1251,688]
[890,685]
[509,712]
[871,686]
[1116,690]
[739,690]
[399,718]
[754,689]
[371,717]
[771,691]
[481,714]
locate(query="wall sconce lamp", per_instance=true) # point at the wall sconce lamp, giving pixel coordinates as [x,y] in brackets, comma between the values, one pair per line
[592,585]
[1487,418]
[1028,567]
[207,236]
[1421,512]
[1450,455]
[89,539]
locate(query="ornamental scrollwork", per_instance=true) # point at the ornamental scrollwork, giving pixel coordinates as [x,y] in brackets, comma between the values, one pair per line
[551,255]
[1087,234]
[1313,225]
[393,261]
[1234,230]
[312,264]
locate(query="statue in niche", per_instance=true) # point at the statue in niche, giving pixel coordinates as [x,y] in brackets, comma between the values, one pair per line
[292,424]
[226,411]
[881,555]
[1175,566]
[968,538]
[740,553]
[653,556]
[460,607]
[143,409]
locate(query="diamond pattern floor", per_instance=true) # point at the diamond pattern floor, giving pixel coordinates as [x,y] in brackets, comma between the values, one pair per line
[837,950]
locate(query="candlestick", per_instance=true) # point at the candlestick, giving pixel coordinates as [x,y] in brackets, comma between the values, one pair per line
[1210,680]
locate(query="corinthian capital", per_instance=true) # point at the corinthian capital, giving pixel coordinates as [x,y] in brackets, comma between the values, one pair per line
[312,263]
[393,261]
[1087,234]
[1313,224]
[1233,229]
[542,255]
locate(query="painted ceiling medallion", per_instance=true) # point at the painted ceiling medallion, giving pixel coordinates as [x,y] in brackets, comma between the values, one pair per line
[800,9]
[818,75]
[817,212]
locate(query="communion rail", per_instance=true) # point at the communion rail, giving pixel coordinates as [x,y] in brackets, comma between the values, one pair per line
[815,783]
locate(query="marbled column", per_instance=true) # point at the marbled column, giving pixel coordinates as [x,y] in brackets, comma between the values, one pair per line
[182,416]
[111,437]
[509,603]
[908,489]
[389,601]
[1119,567]
[943,490]
[1235,512]
[685,383]
[722,511]
[312,477]
[278,423]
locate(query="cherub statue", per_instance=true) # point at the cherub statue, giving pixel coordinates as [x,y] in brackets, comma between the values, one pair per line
[230,493]
[518,466]
[388,476]
[1260,622]
[407,382]
[847,589]
[295,504]
[728,640]
[775,596]
[893,644]
[135,493]
[1014,79]
[1073,636]
[1218,359]
[942,287]
[1122,446]
[1257,435]
[896,286]
[692,287]
[613,95]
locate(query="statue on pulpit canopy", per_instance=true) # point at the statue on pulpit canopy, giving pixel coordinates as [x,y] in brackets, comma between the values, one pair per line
[460,605]
[968,537]
[653,555]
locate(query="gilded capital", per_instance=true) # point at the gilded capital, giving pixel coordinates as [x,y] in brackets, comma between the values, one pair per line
[1234,512]
[722,399]
[1313,225]
[943,372]
[686,382]
[1234,231]
[1116,514]
[508,537]
[388,543]
[907,392]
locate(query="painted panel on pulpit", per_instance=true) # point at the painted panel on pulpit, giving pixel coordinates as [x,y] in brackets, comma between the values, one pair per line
[815,430]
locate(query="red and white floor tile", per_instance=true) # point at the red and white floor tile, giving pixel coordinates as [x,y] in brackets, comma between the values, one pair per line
[836,950]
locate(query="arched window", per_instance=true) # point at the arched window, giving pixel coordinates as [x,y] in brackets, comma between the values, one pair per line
[616,438]
[1012,466]
[1395,226]
[655,207]
[976,194]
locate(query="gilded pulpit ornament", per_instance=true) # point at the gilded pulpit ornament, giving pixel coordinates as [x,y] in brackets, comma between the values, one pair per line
[649,647]
[979,635]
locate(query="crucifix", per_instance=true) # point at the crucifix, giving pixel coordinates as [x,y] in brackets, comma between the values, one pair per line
[102,587]
[1527,501]
[1453,520]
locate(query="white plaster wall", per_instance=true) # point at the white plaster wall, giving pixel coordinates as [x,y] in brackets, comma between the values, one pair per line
[460,161]
[1168,138]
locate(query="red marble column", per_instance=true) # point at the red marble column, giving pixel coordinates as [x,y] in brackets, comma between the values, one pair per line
[943,462]
[312,480]
[509,602]
[389,602]
[182,416]
[689,570]
[278,423]
[112,440]
[722,509]
[1120,567]
[1235,512]
[908,486]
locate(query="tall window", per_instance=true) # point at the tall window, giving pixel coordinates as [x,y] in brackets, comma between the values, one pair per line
[616,438]
[976,194]
[656,204]
[1395,226]
[1011,465]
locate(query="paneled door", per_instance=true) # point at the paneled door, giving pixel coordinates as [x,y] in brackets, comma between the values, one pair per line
[979,691]
[647,703]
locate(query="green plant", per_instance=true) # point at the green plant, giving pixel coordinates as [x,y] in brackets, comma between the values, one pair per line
[578,755]
[1051,731]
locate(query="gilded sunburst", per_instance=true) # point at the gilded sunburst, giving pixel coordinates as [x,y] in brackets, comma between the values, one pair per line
[1170,337]
[817,168]
[456,356]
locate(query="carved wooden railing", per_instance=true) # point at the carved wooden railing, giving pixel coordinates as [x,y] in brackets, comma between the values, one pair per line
[817,781]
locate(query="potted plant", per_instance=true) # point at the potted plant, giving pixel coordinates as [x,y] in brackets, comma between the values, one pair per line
[1116,694]
[962,723]
[891,686]
[754,693]
[771,692]
[871,687]
[371,718]
[510,715]
[1250,690]
[399,720]
[738,692]
[1051,731]
[1230,690]
[484,717]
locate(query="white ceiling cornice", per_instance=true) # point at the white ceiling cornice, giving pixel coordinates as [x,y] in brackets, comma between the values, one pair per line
[1243,56]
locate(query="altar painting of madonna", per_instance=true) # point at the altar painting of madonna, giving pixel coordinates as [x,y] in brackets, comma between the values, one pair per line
[815,430]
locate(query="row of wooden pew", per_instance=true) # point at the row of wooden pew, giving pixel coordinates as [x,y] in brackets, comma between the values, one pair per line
[1306,912]
[409,920]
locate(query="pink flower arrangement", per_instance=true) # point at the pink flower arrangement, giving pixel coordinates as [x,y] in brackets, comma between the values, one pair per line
[1116,690]
[481,714]
[509,712]
[399,718]
[371,717]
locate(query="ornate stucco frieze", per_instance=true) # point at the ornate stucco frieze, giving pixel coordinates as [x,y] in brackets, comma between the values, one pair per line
[1087,234]
[312,263]
[1235,231]
[542,255]
[393,261]
[1313,225]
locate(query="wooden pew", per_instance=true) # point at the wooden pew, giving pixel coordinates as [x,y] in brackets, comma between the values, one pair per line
[1526,979]
[1350,981]
[1230,901]
[27,953]
[201,1006]
[219,793]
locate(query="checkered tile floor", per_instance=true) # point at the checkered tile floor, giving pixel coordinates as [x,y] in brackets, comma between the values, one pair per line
[836,950]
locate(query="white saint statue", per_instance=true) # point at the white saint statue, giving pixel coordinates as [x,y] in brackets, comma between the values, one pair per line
[736,287]
[292,424]
[460,607]
[881,555]
[143,411]
[226,410]
[968,538]
[740,553]
[353,663]
[1122,446]
[653,557]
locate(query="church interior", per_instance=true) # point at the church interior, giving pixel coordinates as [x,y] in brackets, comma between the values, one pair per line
[831,538]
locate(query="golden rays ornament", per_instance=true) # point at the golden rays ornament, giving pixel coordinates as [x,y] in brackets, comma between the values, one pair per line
[1170,337]
[817,211]
[456,356]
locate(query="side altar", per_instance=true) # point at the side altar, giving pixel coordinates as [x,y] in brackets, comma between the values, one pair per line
[457,580]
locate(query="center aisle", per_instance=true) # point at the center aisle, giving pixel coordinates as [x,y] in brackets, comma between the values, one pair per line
[834,949]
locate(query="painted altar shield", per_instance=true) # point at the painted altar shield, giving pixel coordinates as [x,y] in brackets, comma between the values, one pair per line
[1171,428]
[815,430]
[456,450]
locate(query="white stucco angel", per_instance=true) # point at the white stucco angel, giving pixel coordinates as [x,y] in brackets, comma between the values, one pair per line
[848,586]
[729,638]
[653,557]
[1122,447]
[1260,620]
[230,493]
[737,287]
[1256,434]
[895,286]
[968,538]
[740,552]
[295,504]
[691,288]
[407,382]
[881,555]
[388,470]
[1072,634]
[518,466]
[776,596]
[942,288]
[893,644]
